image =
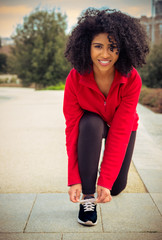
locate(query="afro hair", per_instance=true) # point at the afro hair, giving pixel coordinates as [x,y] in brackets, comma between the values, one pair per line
[130,38]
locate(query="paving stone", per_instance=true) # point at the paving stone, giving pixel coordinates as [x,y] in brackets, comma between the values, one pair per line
[134,182]
[149,161]
[55,213]
[147,154]
[14,211]
[81,236]
[152,179]
[152,122]
[131,213]
[112,236]
[148,151]
[157,197]
[31,236]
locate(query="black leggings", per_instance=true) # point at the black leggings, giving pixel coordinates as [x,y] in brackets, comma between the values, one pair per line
[92,129]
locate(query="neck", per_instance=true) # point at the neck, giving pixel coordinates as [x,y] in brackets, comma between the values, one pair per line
[103,74]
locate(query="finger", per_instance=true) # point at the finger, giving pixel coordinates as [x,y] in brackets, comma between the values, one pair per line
[103,196]
[98,194]
[72,196]
[76,196]
[78,192]
[100,198]
[97,200]
[107,199]
[73,199]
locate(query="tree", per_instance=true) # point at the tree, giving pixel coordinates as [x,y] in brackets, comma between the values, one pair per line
[39,49]
[3,63]
[151,73]
[0,42]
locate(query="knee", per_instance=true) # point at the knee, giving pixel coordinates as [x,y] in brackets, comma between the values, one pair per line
[91,122]
[117,189]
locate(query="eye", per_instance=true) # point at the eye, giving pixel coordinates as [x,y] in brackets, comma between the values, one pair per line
[98,46]
[111,49]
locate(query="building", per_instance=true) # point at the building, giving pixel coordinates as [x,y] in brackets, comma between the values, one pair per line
[153,25]
[6,49]
[6,41]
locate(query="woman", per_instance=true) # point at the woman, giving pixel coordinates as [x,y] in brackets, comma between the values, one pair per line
[100,99]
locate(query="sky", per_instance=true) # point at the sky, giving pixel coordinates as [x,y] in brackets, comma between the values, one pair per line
[12,12]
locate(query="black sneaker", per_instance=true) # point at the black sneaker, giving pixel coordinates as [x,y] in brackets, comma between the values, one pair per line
[87,213]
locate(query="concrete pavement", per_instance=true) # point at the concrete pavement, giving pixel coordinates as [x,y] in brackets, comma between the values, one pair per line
[32,141]
[43,210]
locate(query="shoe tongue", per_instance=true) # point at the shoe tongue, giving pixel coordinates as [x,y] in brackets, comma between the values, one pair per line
[88,197]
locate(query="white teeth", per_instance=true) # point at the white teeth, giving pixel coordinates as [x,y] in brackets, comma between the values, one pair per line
[104,62]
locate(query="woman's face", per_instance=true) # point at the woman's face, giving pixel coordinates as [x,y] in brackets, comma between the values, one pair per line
[104,53]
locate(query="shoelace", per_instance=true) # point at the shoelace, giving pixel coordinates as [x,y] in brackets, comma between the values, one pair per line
[88,206]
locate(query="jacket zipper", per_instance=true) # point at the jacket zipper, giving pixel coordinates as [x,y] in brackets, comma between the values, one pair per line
[105,105]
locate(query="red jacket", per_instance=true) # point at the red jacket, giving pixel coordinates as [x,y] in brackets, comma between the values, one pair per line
[118,110]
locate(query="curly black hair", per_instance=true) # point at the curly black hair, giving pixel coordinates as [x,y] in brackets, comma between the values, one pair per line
[130,37]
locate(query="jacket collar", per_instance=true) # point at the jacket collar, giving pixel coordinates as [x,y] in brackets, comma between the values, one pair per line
[89,80]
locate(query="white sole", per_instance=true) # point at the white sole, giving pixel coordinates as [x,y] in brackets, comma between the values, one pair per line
[88,223]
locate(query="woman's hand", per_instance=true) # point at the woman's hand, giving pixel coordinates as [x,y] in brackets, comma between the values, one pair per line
[74,192]
[103,195]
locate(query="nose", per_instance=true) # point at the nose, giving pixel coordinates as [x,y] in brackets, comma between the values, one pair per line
[106,53]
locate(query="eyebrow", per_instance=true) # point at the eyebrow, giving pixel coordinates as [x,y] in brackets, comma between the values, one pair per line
[102,44]
[98,43]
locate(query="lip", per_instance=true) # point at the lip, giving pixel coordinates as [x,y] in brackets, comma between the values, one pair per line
[104,62]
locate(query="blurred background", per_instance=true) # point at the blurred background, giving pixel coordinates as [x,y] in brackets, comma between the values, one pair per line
[33,37]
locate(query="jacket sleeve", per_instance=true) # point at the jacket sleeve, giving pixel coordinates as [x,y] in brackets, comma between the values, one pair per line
[119,133]
[73,113]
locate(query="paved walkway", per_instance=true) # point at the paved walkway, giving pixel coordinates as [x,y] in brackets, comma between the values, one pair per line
[51,216]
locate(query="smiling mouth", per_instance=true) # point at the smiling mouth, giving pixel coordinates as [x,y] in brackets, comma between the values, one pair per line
[104,63]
